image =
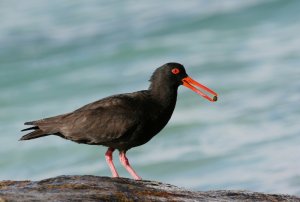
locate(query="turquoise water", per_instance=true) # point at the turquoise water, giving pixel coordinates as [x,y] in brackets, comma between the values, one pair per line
[56,56]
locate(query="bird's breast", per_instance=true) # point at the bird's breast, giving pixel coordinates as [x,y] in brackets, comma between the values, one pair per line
[151,123]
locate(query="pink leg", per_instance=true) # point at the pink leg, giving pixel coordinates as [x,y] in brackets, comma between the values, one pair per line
[126,164]
[109,160]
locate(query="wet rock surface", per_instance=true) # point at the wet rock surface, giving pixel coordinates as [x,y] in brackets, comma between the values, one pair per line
[93,188]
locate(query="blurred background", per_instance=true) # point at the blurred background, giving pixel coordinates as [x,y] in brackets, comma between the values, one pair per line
[56,56]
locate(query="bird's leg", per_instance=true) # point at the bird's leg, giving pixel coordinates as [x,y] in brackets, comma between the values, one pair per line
[125,163]
[109,160]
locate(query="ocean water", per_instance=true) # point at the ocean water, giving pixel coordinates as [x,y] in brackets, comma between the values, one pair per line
[56,56]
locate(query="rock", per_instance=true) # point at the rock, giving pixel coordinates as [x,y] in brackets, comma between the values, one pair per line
[93,188]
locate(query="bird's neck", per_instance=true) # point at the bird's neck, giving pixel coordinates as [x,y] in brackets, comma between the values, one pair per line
[166,95]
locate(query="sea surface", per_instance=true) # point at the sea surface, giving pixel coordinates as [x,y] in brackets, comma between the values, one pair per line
[56,56]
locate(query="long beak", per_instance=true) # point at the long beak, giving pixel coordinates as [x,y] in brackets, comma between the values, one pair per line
[192,84]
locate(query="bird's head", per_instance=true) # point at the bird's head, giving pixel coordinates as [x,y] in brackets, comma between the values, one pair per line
[174,74]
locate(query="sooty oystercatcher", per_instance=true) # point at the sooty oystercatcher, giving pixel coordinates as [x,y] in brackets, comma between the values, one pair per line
[122,121]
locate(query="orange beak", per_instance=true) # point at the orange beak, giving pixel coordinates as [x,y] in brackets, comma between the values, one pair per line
[192,84]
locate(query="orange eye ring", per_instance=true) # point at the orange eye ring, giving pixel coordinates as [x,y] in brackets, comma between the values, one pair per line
[175,71]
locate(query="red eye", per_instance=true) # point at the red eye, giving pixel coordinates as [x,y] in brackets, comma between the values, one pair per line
[175,71]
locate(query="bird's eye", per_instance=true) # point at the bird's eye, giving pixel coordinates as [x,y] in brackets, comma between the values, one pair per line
[175,71]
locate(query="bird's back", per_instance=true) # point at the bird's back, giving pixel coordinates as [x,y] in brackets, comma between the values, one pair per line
[120,121]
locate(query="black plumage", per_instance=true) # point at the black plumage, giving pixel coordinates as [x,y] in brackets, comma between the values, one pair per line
[120,121]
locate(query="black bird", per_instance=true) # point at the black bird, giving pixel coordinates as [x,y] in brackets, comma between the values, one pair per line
[122,121]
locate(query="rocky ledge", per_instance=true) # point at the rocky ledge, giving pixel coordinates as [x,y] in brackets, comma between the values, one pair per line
[93,188]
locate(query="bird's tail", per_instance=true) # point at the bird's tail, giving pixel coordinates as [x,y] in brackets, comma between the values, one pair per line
[43,127]
[34,134]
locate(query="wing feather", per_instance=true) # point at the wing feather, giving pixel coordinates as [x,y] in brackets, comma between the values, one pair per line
[102,121]
[98,122]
